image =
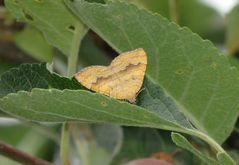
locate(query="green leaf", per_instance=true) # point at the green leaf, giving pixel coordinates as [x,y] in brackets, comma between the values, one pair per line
[181,141]
[57,25]
[232,30]
[190,70]
[29,76]
[32,42]
[79,105]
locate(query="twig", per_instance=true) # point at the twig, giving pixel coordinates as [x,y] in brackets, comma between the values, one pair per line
[20,156]
[72,66]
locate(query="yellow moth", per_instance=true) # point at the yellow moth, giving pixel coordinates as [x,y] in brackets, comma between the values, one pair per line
[122,79]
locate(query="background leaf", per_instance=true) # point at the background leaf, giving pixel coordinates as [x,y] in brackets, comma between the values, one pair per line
[204,20]
[139,143]
[150,143]
[34,141]
[90,54]
[232,31]
[92,146]
[31,41]
[184,65]
[57,25]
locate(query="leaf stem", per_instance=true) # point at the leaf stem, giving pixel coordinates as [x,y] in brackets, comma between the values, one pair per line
[79,31]
[207,139]
[20,156]
[72,66]
[73,58]
[173,10]
[64,152]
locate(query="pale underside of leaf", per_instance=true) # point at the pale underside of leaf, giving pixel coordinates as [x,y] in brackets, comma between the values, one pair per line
[153,98]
